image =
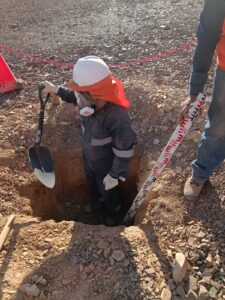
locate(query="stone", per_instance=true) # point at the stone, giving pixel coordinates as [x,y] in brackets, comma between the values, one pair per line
[203,293]
[42,296]
[192,283]
[192,295]
[213,292]
[166,294]
[150,271]
[118,255]
[180,268]
[180,291]
[106,252]
[20,84]
[205,279]
[20,149]
[215,284]
[201,235]
[191,241]
[102,244]
[171,284]
[164,128]
[32,291]
[156,141]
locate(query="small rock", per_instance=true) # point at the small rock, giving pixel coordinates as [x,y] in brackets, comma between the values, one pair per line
[215,284]
[20,149]
[126,263]
[156,141]
[43,282]
[150,271]
[161,112]
[106,252]
[13,26]
[102,244]
[32,291]
[180,291]
[201,235]
[209,260]
[166,294]
[118,255]
[192,283]
[112,261]
[164,128]
[203,293]
[192,295]
[191,241]
[205,279]
[180,267]
[20,83]
[213,292]
[171,284]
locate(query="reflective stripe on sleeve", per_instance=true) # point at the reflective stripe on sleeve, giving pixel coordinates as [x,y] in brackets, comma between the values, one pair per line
[101,142]
[123,153]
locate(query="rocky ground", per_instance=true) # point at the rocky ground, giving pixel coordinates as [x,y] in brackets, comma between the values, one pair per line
[53,250]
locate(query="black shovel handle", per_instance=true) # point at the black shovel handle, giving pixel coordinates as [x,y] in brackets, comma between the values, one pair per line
[43,103]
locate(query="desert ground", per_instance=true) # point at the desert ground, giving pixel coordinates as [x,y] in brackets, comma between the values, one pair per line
[54,251]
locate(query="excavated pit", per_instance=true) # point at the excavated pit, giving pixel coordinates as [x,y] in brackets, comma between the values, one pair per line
[66,200]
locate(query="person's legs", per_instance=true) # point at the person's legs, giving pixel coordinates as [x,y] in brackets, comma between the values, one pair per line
[112,198]
[211,150]
[95,194]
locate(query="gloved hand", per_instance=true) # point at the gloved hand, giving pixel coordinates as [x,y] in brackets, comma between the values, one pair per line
[185,105]
[110,182]
[49,88]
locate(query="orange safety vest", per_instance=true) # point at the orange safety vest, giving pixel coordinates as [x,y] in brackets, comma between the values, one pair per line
[221,49]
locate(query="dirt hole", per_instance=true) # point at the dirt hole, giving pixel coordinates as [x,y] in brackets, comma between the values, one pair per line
[66,200]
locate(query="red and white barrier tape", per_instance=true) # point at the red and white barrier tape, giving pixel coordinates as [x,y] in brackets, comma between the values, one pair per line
[120,65]
[174,141]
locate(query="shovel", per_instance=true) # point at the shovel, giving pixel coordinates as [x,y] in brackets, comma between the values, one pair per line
[39,156]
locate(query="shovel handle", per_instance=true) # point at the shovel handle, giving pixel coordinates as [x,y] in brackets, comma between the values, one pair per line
[42,102]
[41,114]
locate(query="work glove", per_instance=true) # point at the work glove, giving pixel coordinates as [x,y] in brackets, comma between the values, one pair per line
[185,105]
[49,88]
[110,182]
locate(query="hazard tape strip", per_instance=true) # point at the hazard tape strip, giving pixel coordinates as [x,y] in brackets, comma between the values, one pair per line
[120,65]
[165,156]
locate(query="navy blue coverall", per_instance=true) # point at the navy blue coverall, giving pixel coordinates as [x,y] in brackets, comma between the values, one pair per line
[107,140]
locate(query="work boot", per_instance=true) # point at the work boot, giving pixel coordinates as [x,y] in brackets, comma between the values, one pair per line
[192,187]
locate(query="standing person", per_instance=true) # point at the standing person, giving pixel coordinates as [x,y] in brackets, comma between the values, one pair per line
[211,150]
[107,137]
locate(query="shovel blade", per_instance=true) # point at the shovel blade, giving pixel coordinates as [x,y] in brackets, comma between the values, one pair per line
[42,165]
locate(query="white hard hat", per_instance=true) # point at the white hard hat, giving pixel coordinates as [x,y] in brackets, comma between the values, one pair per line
[90,70]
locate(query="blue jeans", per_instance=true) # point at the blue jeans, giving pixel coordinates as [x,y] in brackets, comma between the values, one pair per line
[211,150]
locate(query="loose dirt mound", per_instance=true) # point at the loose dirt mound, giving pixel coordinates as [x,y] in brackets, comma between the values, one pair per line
[72,259]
